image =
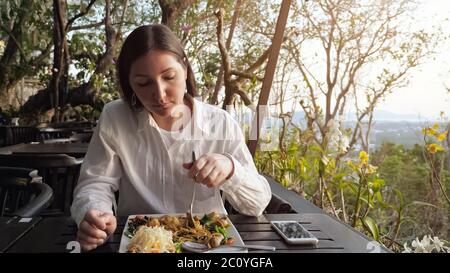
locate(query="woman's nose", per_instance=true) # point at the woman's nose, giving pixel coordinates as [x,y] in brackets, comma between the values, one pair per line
[160,92]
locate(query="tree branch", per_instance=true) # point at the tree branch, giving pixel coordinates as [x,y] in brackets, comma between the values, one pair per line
[246,75]
[79,15]
[88,26]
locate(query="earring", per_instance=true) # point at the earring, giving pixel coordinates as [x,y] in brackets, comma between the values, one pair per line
[133,99]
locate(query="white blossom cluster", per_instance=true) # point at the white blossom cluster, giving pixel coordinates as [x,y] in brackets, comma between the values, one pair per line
[337,141]
[427,245]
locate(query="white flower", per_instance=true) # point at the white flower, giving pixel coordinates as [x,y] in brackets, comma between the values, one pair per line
[438,244]
[344,144]
[423,246]
[407,249]
[417,245]
[427,242]
[336,139]
[426,245]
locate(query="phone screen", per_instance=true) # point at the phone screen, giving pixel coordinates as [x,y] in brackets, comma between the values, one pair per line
[292,230]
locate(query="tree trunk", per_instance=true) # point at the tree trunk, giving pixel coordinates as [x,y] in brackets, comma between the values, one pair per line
[270,69]
[7,77]
[171,10]
[58,83]
[213,98]
[86,93]
[41,101]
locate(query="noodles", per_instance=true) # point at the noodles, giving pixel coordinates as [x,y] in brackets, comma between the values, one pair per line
[151,240]
[152,234]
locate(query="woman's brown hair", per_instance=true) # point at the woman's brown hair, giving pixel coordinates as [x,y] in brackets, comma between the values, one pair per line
[141,41]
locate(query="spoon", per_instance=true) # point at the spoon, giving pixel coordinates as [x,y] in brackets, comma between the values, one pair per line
[202,248]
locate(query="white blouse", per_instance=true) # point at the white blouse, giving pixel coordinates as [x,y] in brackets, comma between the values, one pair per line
[127,154]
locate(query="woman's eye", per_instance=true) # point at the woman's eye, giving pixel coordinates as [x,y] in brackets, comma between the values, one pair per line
[143,84]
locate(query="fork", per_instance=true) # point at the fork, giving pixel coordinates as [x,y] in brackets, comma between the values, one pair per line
[190,216]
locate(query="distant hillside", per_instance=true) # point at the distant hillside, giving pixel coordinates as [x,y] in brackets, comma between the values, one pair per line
[390,116]
[405,129]
[379,115]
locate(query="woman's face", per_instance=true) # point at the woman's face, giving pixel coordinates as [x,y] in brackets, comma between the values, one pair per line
[159,81]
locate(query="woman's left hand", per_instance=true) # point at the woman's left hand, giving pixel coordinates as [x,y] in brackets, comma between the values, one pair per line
[210,169]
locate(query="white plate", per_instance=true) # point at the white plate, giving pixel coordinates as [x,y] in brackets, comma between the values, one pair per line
[232,231]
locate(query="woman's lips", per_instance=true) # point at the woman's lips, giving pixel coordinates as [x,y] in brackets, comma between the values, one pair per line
[162,106]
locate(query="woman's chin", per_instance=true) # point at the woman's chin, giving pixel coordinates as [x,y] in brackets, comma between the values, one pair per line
[162,112]
[169,110]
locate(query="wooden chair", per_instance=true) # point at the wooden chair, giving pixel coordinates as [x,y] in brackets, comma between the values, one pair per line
[22,192]
[59,171]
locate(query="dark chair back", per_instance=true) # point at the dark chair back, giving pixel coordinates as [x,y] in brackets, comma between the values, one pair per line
[22,192]
[277,205]
[59,171]
[12,135]
[63,134]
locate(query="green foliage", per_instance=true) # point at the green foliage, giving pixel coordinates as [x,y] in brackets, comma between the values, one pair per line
[387,201]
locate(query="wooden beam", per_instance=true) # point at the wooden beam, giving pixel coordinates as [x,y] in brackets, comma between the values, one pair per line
[261,109]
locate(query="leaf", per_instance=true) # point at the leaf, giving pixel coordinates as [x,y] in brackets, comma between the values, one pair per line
[276,164]
[399,195]
[419,203]
[363,199]
[339,176]
[377,184]
[353,187]
[371,226]
[342,184]
[292,171]
[254,79]
[378,196]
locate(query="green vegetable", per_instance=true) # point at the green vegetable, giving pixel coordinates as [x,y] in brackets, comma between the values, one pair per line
[206,221]
[221,230]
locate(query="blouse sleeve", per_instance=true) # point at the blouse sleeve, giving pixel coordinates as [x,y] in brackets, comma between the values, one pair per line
[246,190]
[100,172]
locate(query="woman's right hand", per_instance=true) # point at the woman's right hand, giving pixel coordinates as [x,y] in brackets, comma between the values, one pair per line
[95,229]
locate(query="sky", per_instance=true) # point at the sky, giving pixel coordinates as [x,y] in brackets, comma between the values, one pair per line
[426,94]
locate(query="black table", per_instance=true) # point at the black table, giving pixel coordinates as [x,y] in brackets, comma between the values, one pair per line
[57,234]
[77,150]
[13,228]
